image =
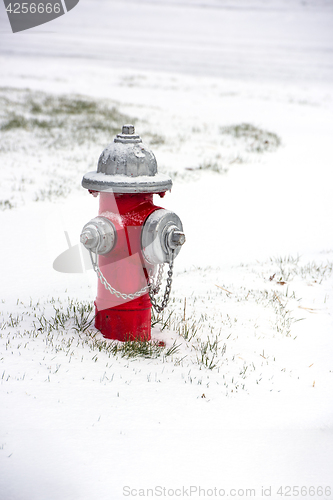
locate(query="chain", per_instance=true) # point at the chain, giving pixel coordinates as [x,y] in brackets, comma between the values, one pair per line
[152,288]
[155,287]
[107,285]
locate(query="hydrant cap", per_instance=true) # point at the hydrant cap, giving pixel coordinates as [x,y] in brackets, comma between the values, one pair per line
[127,166]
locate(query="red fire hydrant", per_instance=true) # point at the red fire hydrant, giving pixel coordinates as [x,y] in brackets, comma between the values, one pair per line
[131,239]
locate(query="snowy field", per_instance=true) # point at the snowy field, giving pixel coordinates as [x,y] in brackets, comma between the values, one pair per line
[236,101]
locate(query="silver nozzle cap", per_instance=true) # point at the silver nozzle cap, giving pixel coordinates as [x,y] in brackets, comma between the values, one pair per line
[99,235]
[177,238]
[89,237]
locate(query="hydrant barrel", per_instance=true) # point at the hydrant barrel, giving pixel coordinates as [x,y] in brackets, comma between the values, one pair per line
[130,236]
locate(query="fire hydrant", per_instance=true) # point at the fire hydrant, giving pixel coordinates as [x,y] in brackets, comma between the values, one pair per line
[131,239]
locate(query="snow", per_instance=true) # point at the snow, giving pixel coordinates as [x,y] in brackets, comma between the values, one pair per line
[78,422]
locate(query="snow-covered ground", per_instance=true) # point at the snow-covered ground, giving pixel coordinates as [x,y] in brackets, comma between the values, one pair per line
[235,99]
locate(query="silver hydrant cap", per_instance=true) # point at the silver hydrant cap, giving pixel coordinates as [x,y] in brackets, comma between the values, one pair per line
[127,166]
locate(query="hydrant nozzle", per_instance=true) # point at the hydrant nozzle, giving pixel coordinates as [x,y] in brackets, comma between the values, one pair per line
[99,235]
[176,238]
[89,238]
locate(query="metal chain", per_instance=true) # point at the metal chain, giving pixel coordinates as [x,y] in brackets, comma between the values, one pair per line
[155,287]
[159,308]
[152,288]
[107,285]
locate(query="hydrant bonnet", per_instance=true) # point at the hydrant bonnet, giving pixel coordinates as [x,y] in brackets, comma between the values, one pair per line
[127,166]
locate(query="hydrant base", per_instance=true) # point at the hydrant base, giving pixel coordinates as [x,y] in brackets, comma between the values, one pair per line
[123,325]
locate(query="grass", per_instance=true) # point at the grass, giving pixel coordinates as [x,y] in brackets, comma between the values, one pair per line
[153,139]
[66,118]
[289,267]
[206,165]
[59,138]
[56,188]
[13,121]
[65,134]
[257,140]
[208,352]
[238,140]
[6,205]
[213,166]
[72,324]
[64,105]
[229,332]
